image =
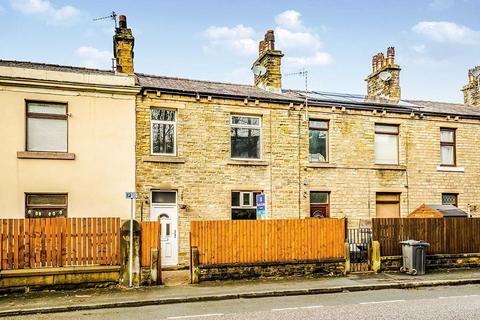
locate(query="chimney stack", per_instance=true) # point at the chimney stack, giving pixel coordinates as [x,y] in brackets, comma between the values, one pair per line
[471,91]
[270,59]
[123,42]
[388,86]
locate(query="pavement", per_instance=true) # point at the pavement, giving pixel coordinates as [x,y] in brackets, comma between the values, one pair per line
[106,298]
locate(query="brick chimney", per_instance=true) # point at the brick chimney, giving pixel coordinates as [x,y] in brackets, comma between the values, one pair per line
[123,42]
[471,91]
[384,85]
[271,59]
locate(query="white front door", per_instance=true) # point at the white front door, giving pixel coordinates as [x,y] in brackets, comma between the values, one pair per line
[168,215]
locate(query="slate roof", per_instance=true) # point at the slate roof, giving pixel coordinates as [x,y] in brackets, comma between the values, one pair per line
[52,67]
[448,210]
[241,91]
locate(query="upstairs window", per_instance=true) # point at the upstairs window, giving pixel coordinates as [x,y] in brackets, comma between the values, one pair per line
[45,205]
[447,147]
[386,144]
[163,131]
[244,205]
[47,127]
[318,140]
[245,137]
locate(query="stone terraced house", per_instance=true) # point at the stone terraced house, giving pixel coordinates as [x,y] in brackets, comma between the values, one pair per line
[204,150]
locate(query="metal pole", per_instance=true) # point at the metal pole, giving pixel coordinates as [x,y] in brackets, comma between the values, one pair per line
[130,280]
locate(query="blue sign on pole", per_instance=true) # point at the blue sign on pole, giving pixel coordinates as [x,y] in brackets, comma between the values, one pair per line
[261,204]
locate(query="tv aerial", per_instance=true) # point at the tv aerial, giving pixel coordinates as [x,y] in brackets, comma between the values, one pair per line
[259,70]
[385,76]
[112,16]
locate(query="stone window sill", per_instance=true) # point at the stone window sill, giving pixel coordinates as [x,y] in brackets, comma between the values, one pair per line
[450,169]
[164,159]
[46,155]
[248,162]
[390,167]
[320,165]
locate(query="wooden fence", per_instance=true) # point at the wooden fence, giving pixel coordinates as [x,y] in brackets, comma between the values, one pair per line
[58,242]
[150,238]
[252,241]
[445,235]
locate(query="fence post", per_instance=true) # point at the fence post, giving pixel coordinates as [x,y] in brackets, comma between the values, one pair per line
[125,253]
[195,262]
[347,258]
[376,259]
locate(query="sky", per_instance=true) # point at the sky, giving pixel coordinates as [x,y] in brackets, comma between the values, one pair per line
[436,41]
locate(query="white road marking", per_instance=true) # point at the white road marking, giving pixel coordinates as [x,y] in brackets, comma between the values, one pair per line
[197,316]
[386,301]
[311,307]
[284,309]
[466,296]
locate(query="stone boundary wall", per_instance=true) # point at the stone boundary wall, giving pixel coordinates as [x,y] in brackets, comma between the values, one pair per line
[270,270]
[58,278]
[438,261]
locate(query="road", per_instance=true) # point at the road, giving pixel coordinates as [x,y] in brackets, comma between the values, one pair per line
[461,302]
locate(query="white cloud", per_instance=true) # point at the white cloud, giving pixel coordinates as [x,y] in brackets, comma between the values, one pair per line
[93,58]
[238,39]
[318,59]
[447,32]
[289,19]
[291,39]
[421,48]
[62,15]
[300,44]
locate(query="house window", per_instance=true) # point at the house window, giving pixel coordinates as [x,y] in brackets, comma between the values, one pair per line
[163,131]
[47,127]
[245,137]
[164,197]
[45,205]
[450,198]
[244,205]
[447,146]
[386,144]
[388,205]
[318,140]
[319,204]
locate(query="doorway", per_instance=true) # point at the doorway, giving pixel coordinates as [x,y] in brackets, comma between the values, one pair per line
[164,208]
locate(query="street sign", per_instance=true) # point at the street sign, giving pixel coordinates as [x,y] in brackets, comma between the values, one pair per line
[131,195]
[261,204]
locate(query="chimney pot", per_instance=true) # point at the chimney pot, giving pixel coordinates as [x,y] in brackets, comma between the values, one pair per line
[122,21]
[270,40]
[390,56]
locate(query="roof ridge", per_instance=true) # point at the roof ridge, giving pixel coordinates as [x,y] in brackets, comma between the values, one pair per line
[196,80]
[53,65]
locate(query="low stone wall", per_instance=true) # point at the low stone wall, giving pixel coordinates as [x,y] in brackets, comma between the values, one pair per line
[270,270]
[438,261]
[61,278]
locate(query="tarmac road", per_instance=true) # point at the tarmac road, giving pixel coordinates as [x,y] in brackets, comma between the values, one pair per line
[459,302]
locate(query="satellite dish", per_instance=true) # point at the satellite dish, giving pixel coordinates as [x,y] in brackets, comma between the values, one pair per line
[476,73]
[259,70]
[385,75]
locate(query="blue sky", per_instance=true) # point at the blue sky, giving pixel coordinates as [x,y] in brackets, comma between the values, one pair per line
[436,41]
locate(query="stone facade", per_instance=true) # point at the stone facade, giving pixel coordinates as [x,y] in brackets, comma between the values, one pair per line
[387,87]
[437,261]
[471,91]
[204,174]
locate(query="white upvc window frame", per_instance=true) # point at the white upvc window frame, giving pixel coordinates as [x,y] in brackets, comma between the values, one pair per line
[247,126]
[250,195]
[152,122]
